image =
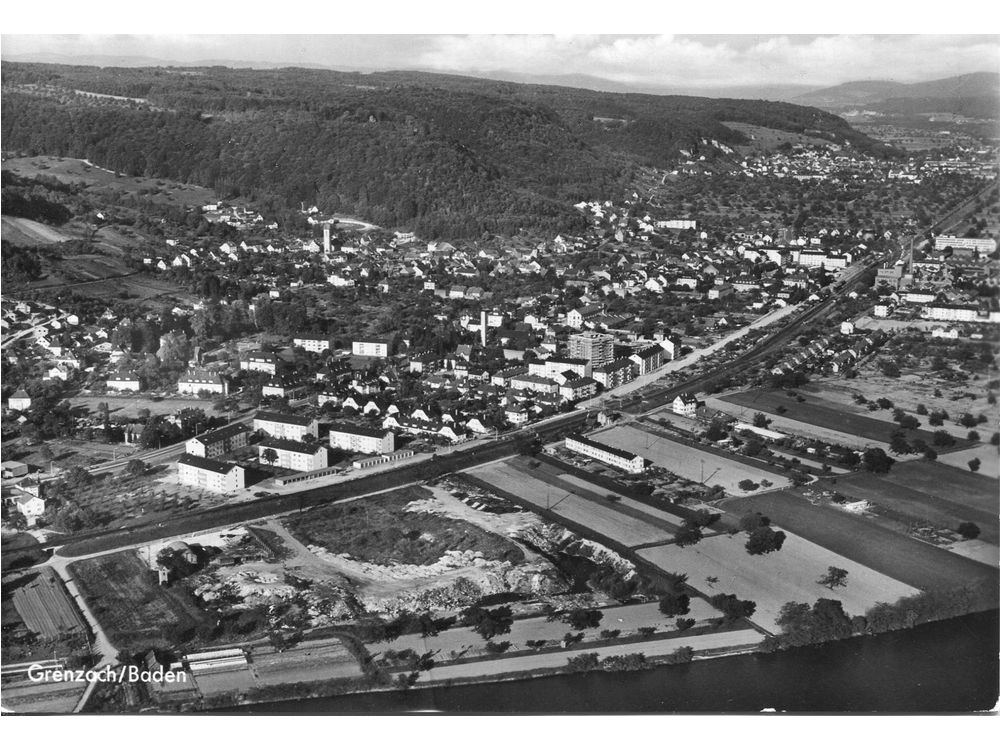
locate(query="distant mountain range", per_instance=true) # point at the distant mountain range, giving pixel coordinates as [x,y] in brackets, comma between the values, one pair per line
[979,92]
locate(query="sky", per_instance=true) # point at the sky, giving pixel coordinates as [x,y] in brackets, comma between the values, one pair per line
[431,42]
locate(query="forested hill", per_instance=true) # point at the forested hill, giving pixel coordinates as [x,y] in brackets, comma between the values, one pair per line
[442,155]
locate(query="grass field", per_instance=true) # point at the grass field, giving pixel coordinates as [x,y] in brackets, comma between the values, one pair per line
[129,406]
[624,525]
[930,492]
[45,605]
[818,411]
[903,558]
[987,455]
[772,580]
[379,530]
[687,461]
[132,608]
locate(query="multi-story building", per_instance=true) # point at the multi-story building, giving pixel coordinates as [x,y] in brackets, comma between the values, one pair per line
[372,347]
[310,343]
[286,426]
[963,313]
[198,380]
[616,373]
[361,439]
[648,359]
[624,460]
[577,318]
[558,365]
[210,474]
[533,383]
[595,348]
[578,389]
[292,454]
[984,245]
[19,401]
[218,442]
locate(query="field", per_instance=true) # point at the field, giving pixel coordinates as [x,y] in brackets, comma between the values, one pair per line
[943,496]
[132,608]
[823,413]
[987,455]
[380,530]
[772,580]
[45,606]
[129,406]
[687,461]
[20,231]
[903,558]
[77,170]
[766,139]
[624,525]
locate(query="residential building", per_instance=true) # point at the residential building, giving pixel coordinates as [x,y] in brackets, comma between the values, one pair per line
[123,381]
[294,455]
[197,380]
[286,426]
[624,460]
[372,347]
[356,439]
[218,442]
[592,347]
[616,373]
[312,343]
[686,405]
[210,474]
[260,361]
[648,358]
[19,401]
[578,389]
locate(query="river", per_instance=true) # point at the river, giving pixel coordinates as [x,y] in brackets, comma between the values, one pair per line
[943,666]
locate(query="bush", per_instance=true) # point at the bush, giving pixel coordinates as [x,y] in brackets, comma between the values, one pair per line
[968,530]
[582,663]
[684,623]
[974,464]
[748,485]
[497,648]
[675,604]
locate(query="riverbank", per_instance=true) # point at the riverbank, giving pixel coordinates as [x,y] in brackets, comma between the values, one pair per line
[910,671]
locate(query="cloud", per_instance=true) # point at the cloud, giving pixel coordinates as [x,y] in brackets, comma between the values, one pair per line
[690,61]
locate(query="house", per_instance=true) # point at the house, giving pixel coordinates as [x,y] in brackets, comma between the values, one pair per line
[686,405]
[356,439]
[260,362]
[218,442]
[19,401]
[292,454]
[30,505]
[516,415]
[286,426]
[210,474]
[123,381]
[577,318]
[624,460]
[282,387]
[197,380]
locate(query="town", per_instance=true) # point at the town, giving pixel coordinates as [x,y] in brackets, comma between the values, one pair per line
[266,461]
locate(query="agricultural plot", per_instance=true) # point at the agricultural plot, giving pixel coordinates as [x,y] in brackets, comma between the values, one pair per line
[988,460]
[309,662]
[772,580]
[929,493]
[623,525]
[687,461]
[132,608]
[903,558]
[45,606]
[816,410]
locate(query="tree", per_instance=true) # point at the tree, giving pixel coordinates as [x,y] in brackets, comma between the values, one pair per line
[967,420]
[135,468]
[765,540]
[974,464]
[673,604]
[684,623]
[761,420]
[45,453]
[733,608]
[748,485]
[973,436]
[753,520]
[488,622]
[968,530]
[930,454]
[943,439]
[581,619]
[898,444]
[270,456]
[689,533]
[834,577]
[877,461]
